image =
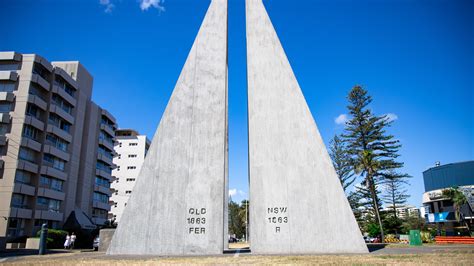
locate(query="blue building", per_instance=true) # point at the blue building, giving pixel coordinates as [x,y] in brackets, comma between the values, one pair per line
[440,210]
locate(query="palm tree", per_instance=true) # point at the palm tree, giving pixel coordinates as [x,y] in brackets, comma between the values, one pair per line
[459,199]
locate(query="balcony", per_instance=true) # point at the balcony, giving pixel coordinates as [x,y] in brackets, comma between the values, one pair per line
[103,174]
[101,205]
[59,71]
[106,144]
[8,75]
[63,114]
[7,96]
[52,194]
[24,189]
[56,152]
[32,144]
[98,220]
[59,132]
[27,166]
[49,215]
[50,171]
[102,189]
[10,56]
[5,118]
[21,213]
[109,116]
[105,159]
[3,140]
[107,129]
[44,84]
[37,101]
[58,90]
[33,121]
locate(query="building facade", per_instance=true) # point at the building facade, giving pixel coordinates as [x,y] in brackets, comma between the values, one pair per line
[439,209]
[45,133]
[131,149]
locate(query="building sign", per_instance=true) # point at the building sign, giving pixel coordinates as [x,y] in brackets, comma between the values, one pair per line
[438,217]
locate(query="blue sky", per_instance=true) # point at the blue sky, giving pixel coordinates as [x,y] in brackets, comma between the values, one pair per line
[416,58]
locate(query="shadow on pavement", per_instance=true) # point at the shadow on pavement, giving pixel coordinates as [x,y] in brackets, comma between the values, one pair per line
[375,247]
[26,252]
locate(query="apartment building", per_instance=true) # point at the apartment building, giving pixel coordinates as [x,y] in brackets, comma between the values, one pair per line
[131,148]
[46,132]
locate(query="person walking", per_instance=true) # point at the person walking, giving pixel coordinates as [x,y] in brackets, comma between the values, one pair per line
[67,243]
[73,240]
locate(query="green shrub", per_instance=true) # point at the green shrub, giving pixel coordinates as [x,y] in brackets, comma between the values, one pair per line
[426,237]
[55,238]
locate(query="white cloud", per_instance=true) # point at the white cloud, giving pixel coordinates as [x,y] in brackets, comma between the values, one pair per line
[108,5]
[146,4]
[232,192]
[341,119]
[391,117]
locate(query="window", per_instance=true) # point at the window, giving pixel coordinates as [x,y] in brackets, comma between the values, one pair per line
[101,197]
[54,162]
[33,111]
[56,142]
[54,205]
[41,70]
[131,167]
[51,204]
[42,201]
[105,152]
[9,66]
[60,82]
[4,128]
[106,137]
[57,121]
[130,179]
[132,156]
[65,106]
[27,155]
[19,201]
[99,213]
[103,167]
[128,192]
[31,132]
[5,107]
[102,182]
[51,224]
[132,144]
[34,90]
[23,177]
[51,183]
[107,122]
[7,86]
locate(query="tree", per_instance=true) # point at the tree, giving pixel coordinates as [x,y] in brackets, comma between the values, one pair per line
[236,225]
[371,150]
[459,199]
[341,162]
[395,195]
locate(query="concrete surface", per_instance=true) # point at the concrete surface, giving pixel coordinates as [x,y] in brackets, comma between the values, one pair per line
[177,206]
[32,243]
[297,204]
[105,236]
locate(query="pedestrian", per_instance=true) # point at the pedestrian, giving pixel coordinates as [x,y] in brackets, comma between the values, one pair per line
[73,240]
[67,242]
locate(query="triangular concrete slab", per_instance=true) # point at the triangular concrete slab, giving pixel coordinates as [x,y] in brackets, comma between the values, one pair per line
[178,203]
[297,204]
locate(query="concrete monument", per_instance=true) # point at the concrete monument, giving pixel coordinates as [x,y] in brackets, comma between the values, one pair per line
[179,204]
[297,204]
